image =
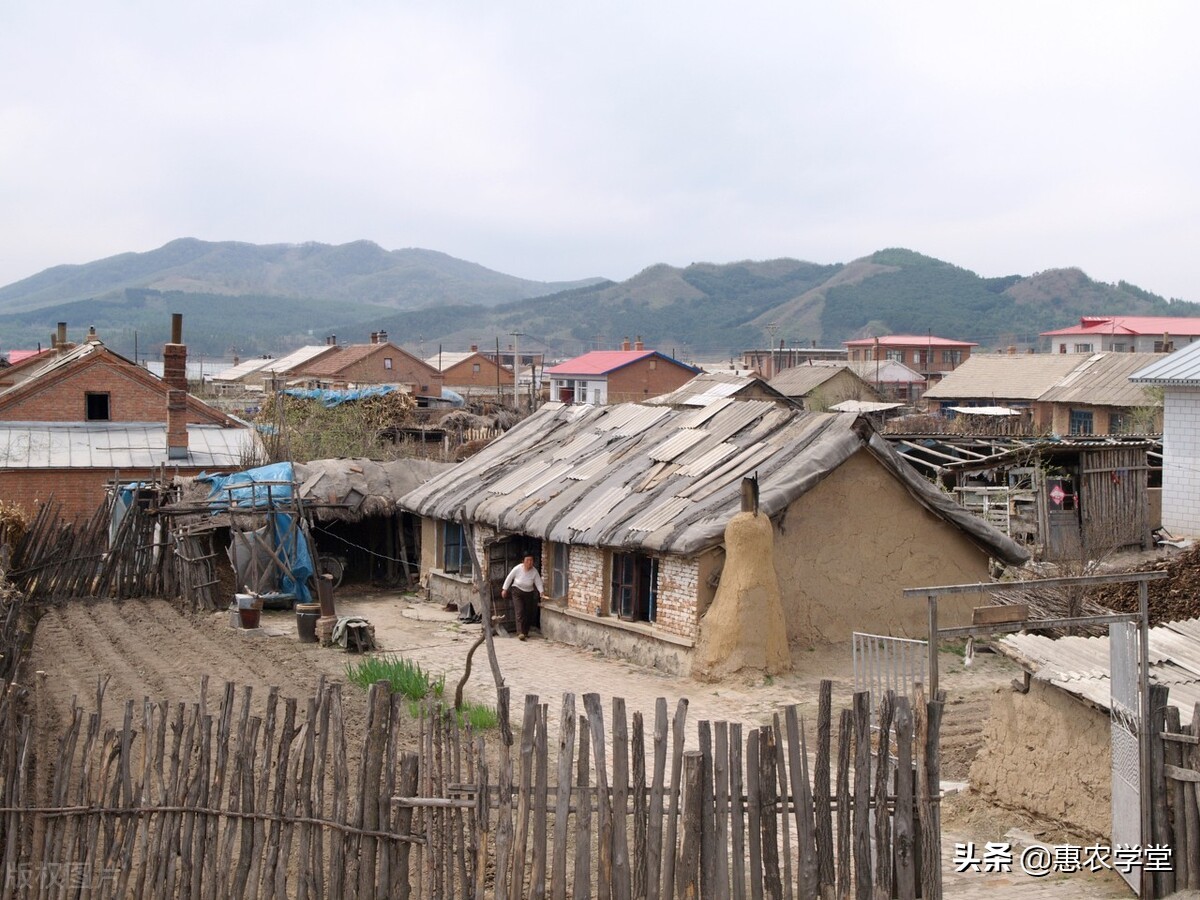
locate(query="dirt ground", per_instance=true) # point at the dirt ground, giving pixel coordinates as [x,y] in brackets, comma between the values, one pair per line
[154,649]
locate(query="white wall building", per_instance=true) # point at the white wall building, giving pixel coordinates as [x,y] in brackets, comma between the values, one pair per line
[1179,376]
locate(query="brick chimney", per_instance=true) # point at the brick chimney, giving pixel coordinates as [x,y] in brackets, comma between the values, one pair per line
[374,337]
[177,434]
[175,358]
[625,344]
[331,341]
[474,348]
[638,345]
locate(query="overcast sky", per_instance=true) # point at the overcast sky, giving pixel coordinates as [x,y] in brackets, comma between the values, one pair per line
[564,140]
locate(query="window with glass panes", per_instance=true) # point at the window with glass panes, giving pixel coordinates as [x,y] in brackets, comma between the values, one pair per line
[634,587]
[456,555]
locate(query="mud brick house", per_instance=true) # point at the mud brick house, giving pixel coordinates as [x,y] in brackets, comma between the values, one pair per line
[617,376]
[820,387]
[473,373]
[379,362]
[1124,334]
[1065,394]
[84,413]
[626,507]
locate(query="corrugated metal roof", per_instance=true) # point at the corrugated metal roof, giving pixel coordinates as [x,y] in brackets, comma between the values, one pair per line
[1080,665]
[908,340]
[677,444]
[613,490]
[708,387]
[74,445]
[242,369]
[1103,380]
[1179,368]
[1147,325]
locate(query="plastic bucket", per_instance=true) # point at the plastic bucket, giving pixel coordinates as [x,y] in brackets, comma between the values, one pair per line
[306,621]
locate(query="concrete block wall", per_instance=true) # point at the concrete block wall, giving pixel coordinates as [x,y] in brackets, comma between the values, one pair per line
[1181,461]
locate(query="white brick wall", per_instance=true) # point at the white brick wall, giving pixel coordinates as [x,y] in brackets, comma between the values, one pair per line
[1181,461]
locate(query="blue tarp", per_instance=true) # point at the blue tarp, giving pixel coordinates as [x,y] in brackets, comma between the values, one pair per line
[336,398]
[290,542]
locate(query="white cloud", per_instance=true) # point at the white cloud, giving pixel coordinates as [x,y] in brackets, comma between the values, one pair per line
[553,141]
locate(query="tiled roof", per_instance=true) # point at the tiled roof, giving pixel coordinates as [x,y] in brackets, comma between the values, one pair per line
[909,340]
[800,380]
[1132,325]
[1001,376]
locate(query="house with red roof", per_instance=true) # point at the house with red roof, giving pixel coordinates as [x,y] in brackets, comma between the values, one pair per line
[926,354]
[617,376]
[1125,334]
[379,362]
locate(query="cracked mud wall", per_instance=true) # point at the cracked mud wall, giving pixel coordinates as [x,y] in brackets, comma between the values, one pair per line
[1050,754]
[846,549]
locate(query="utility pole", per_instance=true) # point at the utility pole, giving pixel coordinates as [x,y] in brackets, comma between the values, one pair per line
[516,336]
[772,330]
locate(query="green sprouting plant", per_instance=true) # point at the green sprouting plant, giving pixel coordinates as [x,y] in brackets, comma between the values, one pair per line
[403,676]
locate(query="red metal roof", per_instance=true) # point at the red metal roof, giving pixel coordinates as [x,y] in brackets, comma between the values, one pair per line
[600,362]
[909,340]
[16,356]
[1131,325]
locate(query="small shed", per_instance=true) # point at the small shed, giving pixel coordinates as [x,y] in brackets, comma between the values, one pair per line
[1048,749]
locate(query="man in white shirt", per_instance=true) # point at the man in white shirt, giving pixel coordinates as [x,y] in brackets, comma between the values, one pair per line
[525,582]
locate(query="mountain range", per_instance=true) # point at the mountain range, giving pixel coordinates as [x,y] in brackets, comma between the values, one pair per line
[254,299]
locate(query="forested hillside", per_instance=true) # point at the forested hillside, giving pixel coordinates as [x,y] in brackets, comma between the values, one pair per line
[252,300]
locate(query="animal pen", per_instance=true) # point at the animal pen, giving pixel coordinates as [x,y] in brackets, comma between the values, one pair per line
[222,798]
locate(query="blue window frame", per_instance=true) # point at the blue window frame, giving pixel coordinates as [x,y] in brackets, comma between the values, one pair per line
[456,555]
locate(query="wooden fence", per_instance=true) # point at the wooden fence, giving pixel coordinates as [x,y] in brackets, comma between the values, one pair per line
[144,557]
[1175,793]
[232,798]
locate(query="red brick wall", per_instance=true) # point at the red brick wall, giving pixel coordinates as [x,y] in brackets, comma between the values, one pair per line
[63,399]
[648,377]
[405,369]
[79,491]
[463,374]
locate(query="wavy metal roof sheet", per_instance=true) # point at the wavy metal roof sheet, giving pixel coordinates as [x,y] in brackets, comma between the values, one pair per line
[115,445]
[1179,368]
[1080,665]
[622,484]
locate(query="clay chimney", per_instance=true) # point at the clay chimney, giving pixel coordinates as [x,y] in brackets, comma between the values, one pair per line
[638,345]
[177,434]
[374,337]
[625,344]
[175,359]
